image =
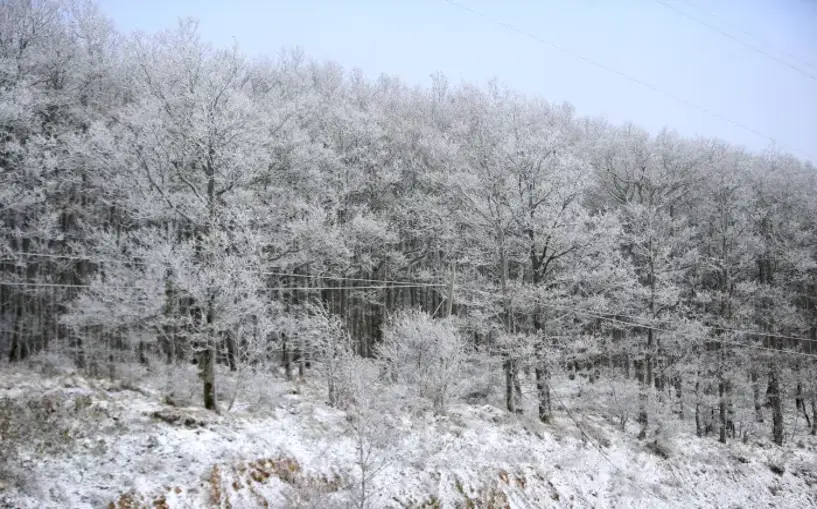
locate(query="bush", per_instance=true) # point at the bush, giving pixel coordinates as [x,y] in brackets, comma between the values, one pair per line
[424,353]
[45,424]
[481,376]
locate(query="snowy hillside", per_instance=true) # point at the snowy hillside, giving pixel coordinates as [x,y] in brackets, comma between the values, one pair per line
[109,444]
[234,277]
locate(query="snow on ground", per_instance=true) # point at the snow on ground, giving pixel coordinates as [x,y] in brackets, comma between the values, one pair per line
[284,447]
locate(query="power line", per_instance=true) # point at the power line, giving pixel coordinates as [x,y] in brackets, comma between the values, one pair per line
[749,34]
[627,77]
[413,284]
[634,322]
[417,284]
[260,290]
[365,287]
[600,316]
[598,448]
[282,289]
[67,285]
[723,341]
[733,38]
[60,256]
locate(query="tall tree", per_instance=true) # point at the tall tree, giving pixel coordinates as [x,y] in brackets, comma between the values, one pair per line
[191,145]
[653,181]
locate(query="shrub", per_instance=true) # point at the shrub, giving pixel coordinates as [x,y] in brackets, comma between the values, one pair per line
[424,353]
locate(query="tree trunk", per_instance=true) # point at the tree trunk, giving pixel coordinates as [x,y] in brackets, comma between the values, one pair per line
[679,387]
[208,360]
[647,377]
[509,403]
[776,402]
[333,393]
[513,391]
[517,387]
[141,349]
[800,404]
[814,414]
[757,396]
[208,357]
[646,384]
[302,355]
[543,393]
[511,381]
[722,410]
[648,359]
[627,366]
[208,377]
[730,410]
[699,428]
[660,365]
[725,411]
[286,357]
[18,344]
[19,341]
[232,351]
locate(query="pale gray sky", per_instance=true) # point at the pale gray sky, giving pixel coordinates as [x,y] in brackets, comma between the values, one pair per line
[641,38]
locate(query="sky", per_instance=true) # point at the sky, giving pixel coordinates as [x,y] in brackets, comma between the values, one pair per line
[702,74]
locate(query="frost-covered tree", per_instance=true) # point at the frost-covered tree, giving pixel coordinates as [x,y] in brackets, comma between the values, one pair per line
[653,183]
[425,354]
[484,190]
[331,348]
[57,75]
[524,191]
[784,262]
[726,260]
[190,146]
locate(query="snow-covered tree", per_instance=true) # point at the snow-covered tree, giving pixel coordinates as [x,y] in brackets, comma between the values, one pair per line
[190,145]
[425,354]
[653,182]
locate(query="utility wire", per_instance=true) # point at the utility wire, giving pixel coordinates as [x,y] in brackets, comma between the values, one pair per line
[753,36]
[598,448]
[365,287]
[630,321]
[261,290]
[735,39]
[67,285]
[634,322]
[414,284]
[627,77]
[723,341]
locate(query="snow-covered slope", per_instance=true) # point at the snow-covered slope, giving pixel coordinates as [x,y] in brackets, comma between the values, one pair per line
[122,447]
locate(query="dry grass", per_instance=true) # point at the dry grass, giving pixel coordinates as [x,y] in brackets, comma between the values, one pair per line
[251,476]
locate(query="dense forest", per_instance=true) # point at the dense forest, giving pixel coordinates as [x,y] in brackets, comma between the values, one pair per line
[166,201]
